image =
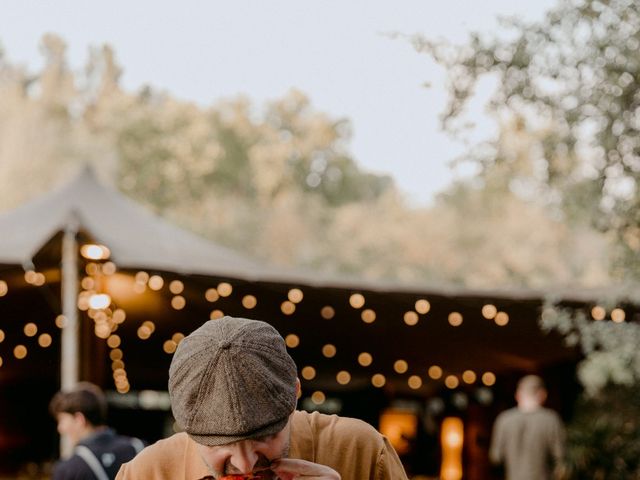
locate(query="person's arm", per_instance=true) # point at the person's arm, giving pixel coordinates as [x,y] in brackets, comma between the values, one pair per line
[290,469]
[123,473]
[389,466]
[557,447]
[496,449]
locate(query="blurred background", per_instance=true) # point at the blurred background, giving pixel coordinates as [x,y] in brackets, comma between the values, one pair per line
[483,159]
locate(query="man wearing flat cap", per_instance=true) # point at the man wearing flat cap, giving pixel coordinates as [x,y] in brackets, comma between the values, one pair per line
[233,390]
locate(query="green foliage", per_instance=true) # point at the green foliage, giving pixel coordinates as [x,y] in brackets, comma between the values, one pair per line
[603,437]
[573,82]
[611,355]
[604,434]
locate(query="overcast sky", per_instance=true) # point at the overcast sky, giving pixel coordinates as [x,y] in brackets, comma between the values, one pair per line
[336,51]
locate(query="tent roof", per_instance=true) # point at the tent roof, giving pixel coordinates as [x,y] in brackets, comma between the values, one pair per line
[135,236]
[138,238]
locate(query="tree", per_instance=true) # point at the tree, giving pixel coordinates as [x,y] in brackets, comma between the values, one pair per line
[603,435]
[278,182]
[572,82]
[41,139]
[568,89]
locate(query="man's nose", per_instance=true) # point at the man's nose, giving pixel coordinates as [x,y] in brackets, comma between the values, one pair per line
[244,460]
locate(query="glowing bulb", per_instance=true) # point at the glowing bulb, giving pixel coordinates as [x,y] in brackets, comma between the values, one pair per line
[598,313]
[178,302]
[88,283]
[292,340]
[288,307]
[176,287]
[143,332]
[415,382]
[469,376]
[102,330]
[488,378]
[489,311]
[411,318]
[329,350]
[455,319]
[211,295]
[150,325]
[177,337]
[435,372]
[61,321]
[94,252]
[618,315]
[327,312]
[44,340]
[99,301]
[501,319]
[224,289]
[109,268]
[378,380]
[142,277]
[422,306]
[368,316]
[249,302]
[119,316]
[308,373]
[169,346]
[343,377]
[356,300]
[156,282]
[400,366]
[30,329]
[295,295]
[115,354]
[92,268]
[451,381]
[365,359]
[20,351]
[30,276]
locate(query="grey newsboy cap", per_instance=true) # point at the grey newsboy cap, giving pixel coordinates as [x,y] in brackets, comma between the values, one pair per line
[232,379]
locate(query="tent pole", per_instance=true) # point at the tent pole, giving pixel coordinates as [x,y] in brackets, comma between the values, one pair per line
[70,343]
[69,369]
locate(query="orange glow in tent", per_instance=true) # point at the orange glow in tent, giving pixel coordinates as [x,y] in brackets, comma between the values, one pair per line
[451,440]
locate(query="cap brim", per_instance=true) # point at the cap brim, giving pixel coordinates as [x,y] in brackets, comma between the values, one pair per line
[215,440]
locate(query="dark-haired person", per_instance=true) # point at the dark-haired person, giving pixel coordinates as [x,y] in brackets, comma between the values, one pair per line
[98,451]
[233,390]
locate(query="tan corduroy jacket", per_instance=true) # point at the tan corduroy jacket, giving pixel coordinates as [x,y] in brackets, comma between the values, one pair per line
[351,447]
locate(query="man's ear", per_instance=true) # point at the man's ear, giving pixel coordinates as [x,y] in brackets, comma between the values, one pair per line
[80,419]
[298,389]
[542,396]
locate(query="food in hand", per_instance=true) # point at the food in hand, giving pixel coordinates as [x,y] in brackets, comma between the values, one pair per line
[265,475]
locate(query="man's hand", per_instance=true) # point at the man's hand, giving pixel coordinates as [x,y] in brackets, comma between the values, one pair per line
[291,469]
